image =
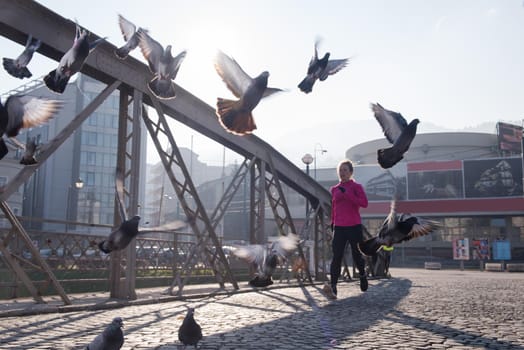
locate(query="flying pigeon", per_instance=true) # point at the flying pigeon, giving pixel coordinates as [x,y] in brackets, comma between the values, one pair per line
[266,262]
[121,237]
[320,69]
[162,64]
[18,67]
[130,34]
[72,61]
[397,131]
[190,332]
[21,112]
[397,228]
[29,155]
[112,338]
[235,116]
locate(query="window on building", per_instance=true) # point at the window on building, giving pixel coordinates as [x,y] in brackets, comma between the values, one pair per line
[91,158]
[92,120]
[518,225]
[89,138]
[90,178]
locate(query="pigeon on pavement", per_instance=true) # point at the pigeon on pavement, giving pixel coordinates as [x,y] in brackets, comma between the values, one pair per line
[162,64]
[112,338]
[22,112]
[130,34]
[266,262]
[121,237]
[236,116]
[397,131]
[190,332]
[18,67]
[72,61]
[397,228]
[320,69]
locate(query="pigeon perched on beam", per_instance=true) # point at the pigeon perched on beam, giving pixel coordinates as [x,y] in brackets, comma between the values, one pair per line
[31,148]
[121,237]
[130,34]
[264,261]
[22,112]
[72,61]
[18,67]
[112,338]
[162,64]
[236,116]
[397,228]
[397,131]
[190,332]
[320,69]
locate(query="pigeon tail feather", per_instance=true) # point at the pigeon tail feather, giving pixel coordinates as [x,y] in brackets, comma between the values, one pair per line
[234,119]
[17,72]
[387,157]
[370,247]
[306,85]
[56,85]
[162,89]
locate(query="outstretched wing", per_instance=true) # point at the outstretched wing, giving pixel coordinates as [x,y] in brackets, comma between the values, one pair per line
[333,66]
[232,74]
[151,49]
[392,123]
[253,254]
[126,27]
[170,226]
[313,62]
[285,245]
[422,228]
[390,222]
[27,112]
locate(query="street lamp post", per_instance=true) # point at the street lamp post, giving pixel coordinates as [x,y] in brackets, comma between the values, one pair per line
[307,159]
[322,151]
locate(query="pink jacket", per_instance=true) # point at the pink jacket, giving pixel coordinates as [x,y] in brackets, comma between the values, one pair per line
[345,205]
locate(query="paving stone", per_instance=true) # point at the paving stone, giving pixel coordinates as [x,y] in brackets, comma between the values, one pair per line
[444,309]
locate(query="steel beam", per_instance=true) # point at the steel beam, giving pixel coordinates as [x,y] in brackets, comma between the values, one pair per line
[277,201]
[194,211]
[35,253]
[23,17]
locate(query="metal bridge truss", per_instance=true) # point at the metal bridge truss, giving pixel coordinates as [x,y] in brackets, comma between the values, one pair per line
[267,168]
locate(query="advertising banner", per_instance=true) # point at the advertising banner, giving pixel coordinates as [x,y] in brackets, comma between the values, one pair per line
[509,137]
[501,250]
[497,177]
[461,249]
[435,184]
[480,249]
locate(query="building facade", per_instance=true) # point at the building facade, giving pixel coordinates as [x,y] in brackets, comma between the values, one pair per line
[466,181]
[89,155]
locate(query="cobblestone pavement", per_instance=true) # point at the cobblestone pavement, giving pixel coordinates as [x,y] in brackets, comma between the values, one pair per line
[416,309]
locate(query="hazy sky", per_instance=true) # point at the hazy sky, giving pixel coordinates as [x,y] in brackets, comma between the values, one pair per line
[454,63]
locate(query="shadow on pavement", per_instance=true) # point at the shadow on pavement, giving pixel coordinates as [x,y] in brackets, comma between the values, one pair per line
[458,335]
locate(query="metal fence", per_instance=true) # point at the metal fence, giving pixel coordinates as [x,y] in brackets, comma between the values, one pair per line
[80,266]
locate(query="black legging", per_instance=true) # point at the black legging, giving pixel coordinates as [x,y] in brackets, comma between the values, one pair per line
[343,235]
